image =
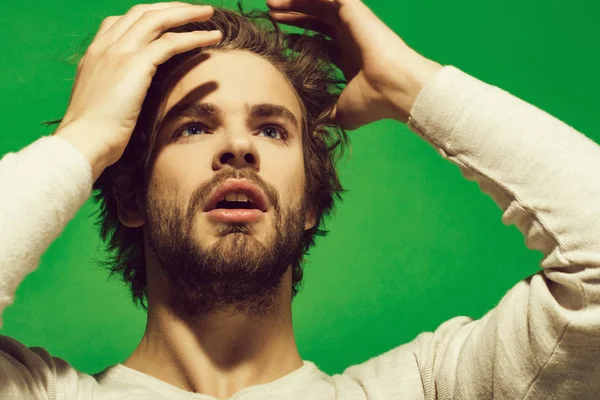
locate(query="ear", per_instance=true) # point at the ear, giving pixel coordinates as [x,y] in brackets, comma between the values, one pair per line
[129,209]
[310,219]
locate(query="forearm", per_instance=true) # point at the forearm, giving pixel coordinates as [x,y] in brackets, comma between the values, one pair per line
[412,73]
[43,186]
[524,154]
[543,175]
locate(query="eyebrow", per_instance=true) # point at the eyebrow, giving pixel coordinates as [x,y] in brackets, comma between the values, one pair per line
[213,112]
[272,110]
[180,111]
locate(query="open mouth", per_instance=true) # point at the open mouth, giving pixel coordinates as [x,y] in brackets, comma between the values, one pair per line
[236,202]
[230,205]
[237,194]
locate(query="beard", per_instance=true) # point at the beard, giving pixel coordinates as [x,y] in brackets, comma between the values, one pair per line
[236,272]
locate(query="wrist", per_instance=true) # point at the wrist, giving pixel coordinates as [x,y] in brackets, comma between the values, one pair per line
[89,144]
[419,72]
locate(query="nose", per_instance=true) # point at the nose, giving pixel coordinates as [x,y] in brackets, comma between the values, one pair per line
[237,151]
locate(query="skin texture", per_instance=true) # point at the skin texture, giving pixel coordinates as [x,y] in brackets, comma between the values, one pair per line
[233,321]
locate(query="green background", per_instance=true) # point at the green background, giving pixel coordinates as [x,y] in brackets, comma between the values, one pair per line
[413,243]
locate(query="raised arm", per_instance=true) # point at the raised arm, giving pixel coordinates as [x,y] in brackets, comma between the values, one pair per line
[543,340]
[44,184]
[48,181]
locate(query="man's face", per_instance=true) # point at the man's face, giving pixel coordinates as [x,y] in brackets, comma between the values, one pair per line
[231,133]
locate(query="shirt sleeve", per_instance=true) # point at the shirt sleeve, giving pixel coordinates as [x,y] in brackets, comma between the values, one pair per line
[542,341]
[43,186]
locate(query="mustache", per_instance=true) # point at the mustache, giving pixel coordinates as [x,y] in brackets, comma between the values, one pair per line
[201,194]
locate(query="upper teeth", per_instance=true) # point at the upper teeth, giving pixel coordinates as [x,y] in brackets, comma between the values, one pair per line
[237,197]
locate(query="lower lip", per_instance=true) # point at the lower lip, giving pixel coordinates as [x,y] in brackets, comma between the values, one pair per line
[235,215]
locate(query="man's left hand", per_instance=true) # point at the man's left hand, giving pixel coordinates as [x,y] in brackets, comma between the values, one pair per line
[384,74]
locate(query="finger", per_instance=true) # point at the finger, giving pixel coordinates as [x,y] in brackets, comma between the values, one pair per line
[152,24]
[334,116]
[110,31]
[344,120]
[347,120]
[173,43]
[326,10]
[105,25]
[304,21]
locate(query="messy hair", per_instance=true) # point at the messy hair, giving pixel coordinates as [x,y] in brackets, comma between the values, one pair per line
[305,60]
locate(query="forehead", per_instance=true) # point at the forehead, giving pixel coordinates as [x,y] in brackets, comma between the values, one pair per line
[232,80]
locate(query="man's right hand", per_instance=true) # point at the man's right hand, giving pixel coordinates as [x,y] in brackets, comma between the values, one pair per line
[116,71]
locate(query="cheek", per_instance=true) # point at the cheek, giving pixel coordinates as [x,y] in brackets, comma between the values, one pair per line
[179,171]
[181,162]
[283,167]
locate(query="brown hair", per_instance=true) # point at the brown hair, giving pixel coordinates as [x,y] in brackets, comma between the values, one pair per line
[305,61]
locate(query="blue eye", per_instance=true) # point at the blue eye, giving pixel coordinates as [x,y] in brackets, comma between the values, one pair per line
[192,129]
[273,132]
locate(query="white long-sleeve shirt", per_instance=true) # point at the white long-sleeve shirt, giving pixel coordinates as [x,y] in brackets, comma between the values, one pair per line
[542,341]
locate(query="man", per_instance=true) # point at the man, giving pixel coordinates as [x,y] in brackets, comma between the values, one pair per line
[226,209]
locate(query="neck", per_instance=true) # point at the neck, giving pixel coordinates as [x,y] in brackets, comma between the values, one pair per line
[219,353]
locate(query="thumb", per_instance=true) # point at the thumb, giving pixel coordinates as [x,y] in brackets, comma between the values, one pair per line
[347,113]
